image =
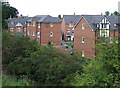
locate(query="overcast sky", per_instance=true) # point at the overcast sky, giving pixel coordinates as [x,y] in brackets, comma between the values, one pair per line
[64,7]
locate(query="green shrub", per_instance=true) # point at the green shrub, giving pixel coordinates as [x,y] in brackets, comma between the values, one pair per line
[42,64]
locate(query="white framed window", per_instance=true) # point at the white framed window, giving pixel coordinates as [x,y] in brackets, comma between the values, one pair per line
[83,53]
[33,23]
[104,33]
[111,40]
[12,29]
[51,34]
[70,25]
[24,29]
[25,23]
[51,24]
[83,40]
[68,30]
[19,29]
[38,25]
[28,33]
[38,34]
[33,33]
[28,24]
[83,26]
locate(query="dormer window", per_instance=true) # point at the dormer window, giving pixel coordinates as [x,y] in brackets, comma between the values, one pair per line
[19,24]
[104,24]
[51,24]
[71,25]
[83,26]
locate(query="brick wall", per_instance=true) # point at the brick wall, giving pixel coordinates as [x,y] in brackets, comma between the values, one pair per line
[31,29]
[45,33]
[89,37]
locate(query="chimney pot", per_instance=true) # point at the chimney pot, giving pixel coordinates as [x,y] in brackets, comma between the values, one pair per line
[74,13]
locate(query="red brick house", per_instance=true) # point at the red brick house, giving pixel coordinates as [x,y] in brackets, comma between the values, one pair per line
[90,27]
[18,25]
[68,22]
[43,28]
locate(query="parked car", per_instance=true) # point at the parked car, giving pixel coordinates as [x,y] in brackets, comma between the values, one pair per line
[66,45]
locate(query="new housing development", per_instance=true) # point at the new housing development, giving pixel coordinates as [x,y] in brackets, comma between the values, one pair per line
[80,29]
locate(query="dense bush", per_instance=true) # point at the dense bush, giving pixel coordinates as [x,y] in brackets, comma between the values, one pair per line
[43,64]
[9,80]
[104,71]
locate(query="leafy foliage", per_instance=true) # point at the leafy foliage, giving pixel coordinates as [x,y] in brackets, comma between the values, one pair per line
[43,64]
[8,11]
[104,71]
[9,80]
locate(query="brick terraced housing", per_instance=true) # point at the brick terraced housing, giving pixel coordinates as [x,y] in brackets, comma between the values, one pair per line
[82,29]
[90,27]
[44,28]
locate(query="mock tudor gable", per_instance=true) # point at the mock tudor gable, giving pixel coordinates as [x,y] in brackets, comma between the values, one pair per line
[90,27]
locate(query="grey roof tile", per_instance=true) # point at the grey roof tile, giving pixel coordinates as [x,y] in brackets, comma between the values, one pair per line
[38,18]
[73,18]
[93,20]
[13,21]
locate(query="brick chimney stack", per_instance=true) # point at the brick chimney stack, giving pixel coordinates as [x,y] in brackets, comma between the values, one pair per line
[74,13]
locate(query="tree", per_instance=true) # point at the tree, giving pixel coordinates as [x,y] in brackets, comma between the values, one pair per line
[7,11]
[21,16]
[116,13]
[43,64]
[107,13]
[104,71]
[59,16]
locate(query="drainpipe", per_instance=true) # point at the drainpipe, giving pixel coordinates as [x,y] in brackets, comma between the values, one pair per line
[40,33]
[95,44]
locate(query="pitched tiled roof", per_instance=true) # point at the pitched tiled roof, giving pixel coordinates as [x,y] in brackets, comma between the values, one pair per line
[93,20]
[13,21]
[73,18]
[39,18]
[47,19]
